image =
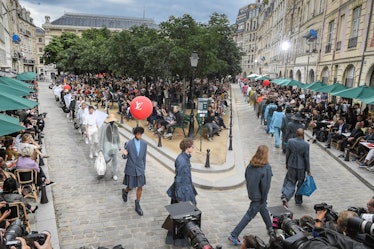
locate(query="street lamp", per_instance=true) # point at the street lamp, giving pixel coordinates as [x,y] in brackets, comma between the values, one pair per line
[285,46]
[194,60]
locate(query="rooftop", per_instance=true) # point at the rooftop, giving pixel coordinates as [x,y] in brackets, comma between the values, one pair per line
[95,21]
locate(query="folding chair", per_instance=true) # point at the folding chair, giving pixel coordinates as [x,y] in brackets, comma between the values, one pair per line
[27,178]
[18,211]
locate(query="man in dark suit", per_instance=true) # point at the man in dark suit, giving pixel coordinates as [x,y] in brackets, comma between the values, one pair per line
[355,134]
[297,163]
[135,152]
[339,128]
[292,127]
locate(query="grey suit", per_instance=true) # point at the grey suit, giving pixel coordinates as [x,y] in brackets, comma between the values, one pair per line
[297,162]
[135,165]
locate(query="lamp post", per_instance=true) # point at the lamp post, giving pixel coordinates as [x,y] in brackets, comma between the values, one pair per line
[194,60]
[285,46]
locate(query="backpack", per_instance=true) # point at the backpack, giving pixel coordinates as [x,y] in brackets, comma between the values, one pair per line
[271,111]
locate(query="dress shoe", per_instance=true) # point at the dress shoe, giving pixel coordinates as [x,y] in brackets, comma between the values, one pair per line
[138,209]
[124,195]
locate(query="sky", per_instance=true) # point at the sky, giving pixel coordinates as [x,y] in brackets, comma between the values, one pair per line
[158,10]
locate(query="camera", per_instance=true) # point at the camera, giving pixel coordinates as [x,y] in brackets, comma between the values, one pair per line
[359,225]
[331,215]
[15,230]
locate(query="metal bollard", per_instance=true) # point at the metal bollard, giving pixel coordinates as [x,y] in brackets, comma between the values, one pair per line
[121,118]
[159,140]
[43,197]
[346,158]
[207,163]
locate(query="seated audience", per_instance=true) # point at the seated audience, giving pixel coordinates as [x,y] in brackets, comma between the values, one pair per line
[25,162]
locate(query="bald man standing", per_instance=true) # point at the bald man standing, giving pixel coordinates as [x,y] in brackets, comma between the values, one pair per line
[297,164]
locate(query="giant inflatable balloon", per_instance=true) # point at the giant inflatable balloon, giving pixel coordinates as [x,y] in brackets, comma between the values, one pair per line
[141,107]
[266,83]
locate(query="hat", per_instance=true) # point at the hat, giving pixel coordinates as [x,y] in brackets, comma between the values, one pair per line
[297,117]
[66,90]
[111,118]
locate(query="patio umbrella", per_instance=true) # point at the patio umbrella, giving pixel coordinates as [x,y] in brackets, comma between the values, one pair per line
[263,78]
[9,125]
[253,76]
[336,87]
[27,76]
[10,102]
[13,90]
[360,92]
[369,100]
[277,81]
[315,85]
[11,81]
[292,83]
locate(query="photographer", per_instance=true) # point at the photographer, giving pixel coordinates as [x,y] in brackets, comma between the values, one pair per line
[370,206]
[340,225]
[34,244]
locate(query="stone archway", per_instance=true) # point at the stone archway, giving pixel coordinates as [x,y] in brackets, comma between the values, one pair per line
[349,76]
[325,75]
[298,75]
[311,77]
[291,74]
[369,80]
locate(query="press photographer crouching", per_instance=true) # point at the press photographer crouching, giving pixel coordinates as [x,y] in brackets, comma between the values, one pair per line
[16,237]
[345,230]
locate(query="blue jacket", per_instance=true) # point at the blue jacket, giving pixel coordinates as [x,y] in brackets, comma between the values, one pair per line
[267,113]
[135,165]
[276,120]
[297,154]
[258,181]
[182,189]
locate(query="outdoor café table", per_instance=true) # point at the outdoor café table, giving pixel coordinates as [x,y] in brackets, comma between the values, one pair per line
[368,147]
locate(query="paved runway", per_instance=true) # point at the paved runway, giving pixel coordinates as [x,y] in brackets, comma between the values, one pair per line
[90,212]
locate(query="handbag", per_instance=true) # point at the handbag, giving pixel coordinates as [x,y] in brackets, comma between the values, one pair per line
[308,186]
[100,164]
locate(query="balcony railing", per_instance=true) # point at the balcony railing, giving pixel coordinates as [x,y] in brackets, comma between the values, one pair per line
[338,46]
[328,48]
[352,43]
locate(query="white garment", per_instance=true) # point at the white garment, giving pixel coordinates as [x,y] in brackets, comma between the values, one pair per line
[91,122]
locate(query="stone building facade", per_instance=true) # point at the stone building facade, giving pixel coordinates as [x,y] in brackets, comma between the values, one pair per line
[315,40]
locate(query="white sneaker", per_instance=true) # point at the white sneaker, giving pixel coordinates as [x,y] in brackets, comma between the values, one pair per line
[115,178]
[90,156]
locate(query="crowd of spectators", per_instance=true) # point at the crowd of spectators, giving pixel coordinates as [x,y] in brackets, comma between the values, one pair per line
[170,99]
[328,118]
[22,150]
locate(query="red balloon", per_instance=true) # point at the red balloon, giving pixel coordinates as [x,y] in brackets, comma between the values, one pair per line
[141,107]
[266,82]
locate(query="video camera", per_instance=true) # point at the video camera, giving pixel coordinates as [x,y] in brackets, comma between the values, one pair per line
[331,215]
[184,221]
[15,230]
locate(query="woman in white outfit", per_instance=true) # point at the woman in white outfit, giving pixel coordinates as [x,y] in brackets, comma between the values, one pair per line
[90,122]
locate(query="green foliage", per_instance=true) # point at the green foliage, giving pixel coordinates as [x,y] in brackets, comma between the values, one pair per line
[141,51]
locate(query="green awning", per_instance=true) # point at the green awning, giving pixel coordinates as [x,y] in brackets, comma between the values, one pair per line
[4,88]
[263,78]
[315,85]
[15,82]
[10,102]
[360,92]
[277,81]
[369,100]
[292,83]
[336,87]
[9,125]
[27,76]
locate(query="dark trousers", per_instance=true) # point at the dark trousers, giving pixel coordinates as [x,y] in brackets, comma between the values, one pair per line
[293,178]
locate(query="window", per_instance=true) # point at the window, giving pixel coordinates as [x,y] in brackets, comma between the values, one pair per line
[331,32]
[40,39]
[40,50]
[41,60]
[352,42]
[356,21]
